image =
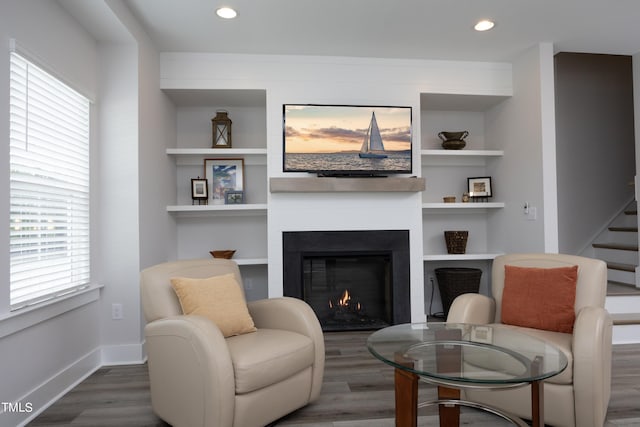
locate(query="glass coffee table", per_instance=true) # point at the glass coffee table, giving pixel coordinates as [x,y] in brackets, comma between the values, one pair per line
[464,356]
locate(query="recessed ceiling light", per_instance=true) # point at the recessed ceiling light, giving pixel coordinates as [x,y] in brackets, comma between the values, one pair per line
[484,25]
[226,13]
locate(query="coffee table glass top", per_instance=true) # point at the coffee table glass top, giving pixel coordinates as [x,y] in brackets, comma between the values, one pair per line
[467,354]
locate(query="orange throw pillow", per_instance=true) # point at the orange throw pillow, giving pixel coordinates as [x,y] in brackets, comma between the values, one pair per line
[540,298]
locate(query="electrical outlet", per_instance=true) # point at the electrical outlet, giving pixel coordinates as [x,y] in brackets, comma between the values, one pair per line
[117,312]
[532,215]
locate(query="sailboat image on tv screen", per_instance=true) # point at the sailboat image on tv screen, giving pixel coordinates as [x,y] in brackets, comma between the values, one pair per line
[372,146]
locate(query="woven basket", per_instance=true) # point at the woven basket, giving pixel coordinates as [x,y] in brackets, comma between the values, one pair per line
[453,282]
[456,241]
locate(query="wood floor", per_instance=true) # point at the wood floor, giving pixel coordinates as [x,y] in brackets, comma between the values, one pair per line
[357,392]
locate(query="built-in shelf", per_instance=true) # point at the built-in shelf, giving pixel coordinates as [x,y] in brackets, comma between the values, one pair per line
[448,158]
[462,153]
[460,257]
[488,205]
[195,156]
[251,261]
[217,151]
[330,184]
[249,209]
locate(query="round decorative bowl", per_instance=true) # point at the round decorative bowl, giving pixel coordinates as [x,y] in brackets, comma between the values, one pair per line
[457,136]
[226,254]
[453,140]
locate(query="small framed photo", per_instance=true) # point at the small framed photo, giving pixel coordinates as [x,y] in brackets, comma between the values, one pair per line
[224,175]
[199,189]
[480,187]
[232,197]
[483,334]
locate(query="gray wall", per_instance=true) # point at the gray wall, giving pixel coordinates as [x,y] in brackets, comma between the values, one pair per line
[595,143]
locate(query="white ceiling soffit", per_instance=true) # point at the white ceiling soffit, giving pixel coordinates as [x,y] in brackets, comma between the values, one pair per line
[98,19]
[421,29]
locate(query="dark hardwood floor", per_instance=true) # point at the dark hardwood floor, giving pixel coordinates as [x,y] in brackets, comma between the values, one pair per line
[357,392]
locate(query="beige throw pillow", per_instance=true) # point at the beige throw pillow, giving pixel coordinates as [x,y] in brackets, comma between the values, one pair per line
[218,298]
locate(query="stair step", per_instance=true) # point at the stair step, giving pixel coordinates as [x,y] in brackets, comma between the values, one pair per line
[624,229]
[626,318]
[621,267]
[615,288]
[616,246]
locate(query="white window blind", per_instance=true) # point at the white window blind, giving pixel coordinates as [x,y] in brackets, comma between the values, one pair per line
[49,190]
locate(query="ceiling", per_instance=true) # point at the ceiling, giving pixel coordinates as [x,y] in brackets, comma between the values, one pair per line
[426,29]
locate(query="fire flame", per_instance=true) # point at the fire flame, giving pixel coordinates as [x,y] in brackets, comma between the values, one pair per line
[344,300]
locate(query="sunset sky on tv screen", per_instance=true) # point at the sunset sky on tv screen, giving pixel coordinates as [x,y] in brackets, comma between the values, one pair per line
[333,129]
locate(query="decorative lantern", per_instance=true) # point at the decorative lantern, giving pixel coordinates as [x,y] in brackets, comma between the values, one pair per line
[221,130]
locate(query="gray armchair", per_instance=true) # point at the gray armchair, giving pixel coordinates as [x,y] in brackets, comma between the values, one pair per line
[200,378]
[579,396]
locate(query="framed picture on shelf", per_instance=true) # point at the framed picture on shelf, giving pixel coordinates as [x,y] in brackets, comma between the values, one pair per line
[483,334]
[232,197]
[224,175]
[199,189]
[480,187]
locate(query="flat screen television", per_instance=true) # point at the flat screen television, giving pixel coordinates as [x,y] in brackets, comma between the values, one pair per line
[347,140]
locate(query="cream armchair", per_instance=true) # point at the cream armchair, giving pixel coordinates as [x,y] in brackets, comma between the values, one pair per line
[200,378]
[579,396]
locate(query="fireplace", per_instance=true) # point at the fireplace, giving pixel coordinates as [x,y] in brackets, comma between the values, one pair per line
[353,280]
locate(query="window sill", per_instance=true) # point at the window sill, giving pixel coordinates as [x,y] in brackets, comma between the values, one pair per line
[15,321]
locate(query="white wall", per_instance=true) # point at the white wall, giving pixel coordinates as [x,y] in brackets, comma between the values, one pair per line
[156,131]
[119,246]
[40,357]
[138,176]
[48,350]
[515,126]
[548,142]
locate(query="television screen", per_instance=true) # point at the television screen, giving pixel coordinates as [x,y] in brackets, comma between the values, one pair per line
[349,140]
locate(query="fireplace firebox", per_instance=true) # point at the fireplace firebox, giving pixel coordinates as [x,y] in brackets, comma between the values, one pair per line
[353,280]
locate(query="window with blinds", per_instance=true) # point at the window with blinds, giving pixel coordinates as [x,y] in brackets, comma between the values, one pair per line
[49,190]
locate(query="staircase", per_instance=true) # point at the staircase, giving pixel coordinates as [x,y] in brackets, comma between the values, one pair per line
[617,245]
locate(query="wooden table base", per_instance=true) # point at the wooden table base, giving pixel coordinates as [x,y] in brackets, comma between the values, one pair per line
[449,414]
[537,395]
[449,360]
[406,398]
[406,395]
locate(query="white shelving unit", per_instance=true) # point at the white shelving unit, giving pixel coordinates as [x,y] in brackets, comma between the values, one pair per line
[219,152]
[463,206]
[462,153]
[254,208]
[462,257]
[442,212]
[446,172]
[251,261]
[202,227]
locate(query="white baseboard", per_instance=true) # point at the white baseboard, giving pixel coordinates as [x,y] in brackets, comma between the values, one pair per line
[44,395]
[125,354]
[47,393]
